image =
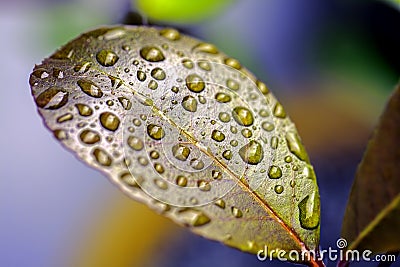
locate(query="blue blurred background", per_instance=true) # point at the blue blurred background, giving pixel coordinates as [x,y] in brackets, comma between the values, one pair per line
[333,64]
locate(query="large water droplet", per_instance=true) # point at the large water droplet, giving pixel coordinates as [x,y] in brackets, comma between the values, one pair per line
[194,217]
[90,88]
[135,143]
[89,137]
[218,136]
[195,83]
[102,157]
[296,147]
[170,34]
[243,116]
[52,98]
[107,58]
[189,103]
[84,110]
[252,153]
[274,172]
[155,131]
[180,152]
[158,74]
[109,121]
[152,54]
[309,212]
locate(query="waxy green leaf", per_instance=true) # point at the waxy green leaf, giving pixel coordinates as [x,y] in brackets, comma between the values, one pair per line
[182,127]
[372,215]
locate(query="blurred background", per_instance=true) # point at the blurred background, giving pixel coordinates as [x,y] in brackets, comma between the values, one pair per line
[332,64]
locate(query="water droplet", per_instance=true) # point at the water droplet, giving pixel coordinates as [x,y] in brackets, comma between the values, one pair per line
[107,58]
[189,103]
[222,97]
[194,217]
[60,134]
[197,164]
[83,67]
[203,185]
[217,136]
[217,175]
[125,102]
[234,130]
[309,212]
[288,159]
[262,87]
[247,133]
[135,143]
[204,65]
[113,34]
[220,203]
[193,201]
[52,98]
[136,122]
[102,157]
[154,154]
[278,189]
[153,85]
[158,74]
[237,212]
[181,181]
[234,63]
[292,183]
[161,184]
[205,48]
[152,54]
[195,83]
[159,168]
[274,142]
[84,110]
[227,154]
[202,99]
[90,88]
[57,73]
[40,73]
[267,126]
[234,143]
[274,172]
[252,153]
[109,121]
[243,116]
[141,75]
[296,147]
[89,137]
[170,34]
[175,89]
[115,81]
[180,152]
[232,84]
[143,161]
[279,112]
[65,117]
[224,117]
[187,63]
[155,131]
[128,179]
[263,113]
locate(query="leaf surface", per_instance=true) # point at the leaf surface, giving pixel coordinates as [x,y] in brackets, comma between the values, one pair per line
[180,126]
[372,215]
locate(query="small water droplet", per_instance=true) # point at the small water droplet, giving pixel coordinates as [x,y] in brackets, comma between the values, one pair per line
[84,110]
[234,143]
[181,181]
[83,67]
[155,131]
[309,212]
[217,175]
[205,48]
[57,73]
[234,63]
[252,153]
[175,89]
[220,203]
[159,168]
[60,134]
[136,122]
[102,157]
[195,83]
[143,161]
[268,126]
[274,142]
[180,152]
[274,172]
[203,185]
[107,58]
[234,130]
[218,136]
[243,116]
[161,184]
[194,217]
[187,63]
[109,121]
[222,98]
[236,212]
[113,34]
[202,99]
[40,73]
[263,113]
[224,117]
[296,147]
[52,98]
[227,154]
[204,65]
[197,164]
[288,159]
[65,117]
[292,183]
[279,112]
[278,189]
[89,137]
[158,74]
[262,87]
[125,102]
[170,34]
[247,133]
[151,54]
[232,84]
[128,179]
[189,103]
[135,143]
[154,154]
[153,85]
[90,88]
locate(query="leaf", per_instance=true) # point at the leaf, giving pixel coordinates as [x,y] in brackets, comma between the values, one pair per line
[185,129]
[181,11]
[372,216]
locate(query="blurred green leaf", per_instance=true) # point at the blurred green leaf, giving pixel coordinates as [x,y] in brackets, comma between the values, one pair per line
[372,215]
[395,3]
[181,11]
